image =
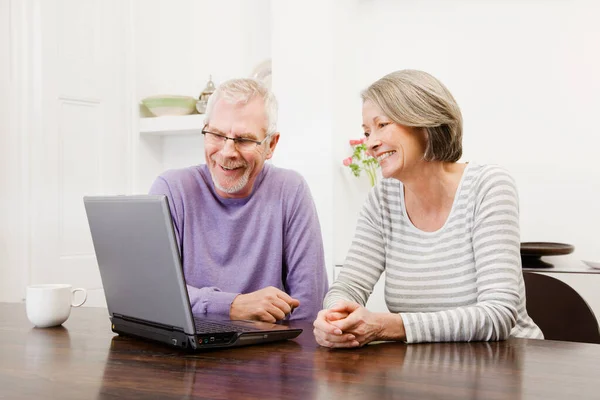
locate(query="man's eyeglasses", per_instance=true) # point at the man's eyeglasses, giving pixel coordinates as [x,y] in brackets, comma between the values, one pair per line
[216,139]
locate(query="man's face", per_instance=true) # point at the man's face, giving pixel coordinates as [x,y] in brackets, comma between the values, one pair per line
[233,169]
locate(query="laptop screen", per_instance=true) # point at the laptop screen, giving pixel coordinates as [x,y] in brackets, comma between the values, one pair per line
[139,260]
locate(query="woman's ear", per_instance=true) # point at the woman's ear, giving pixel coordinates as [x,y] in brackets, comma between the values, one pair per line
[423,138]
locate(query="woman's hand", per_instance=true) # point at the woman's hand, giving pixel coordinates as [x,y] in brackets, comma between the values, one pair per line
[361,323]
[348,324]
[329,335]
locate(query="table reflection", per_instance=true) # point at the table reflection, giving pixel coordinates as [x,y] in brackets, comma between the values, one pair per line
[59,361]
[484,370]
[227,373]
[41,346]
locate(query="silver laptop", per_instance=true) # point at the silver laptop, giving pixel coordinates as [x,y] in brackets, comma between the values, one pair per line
[143,279]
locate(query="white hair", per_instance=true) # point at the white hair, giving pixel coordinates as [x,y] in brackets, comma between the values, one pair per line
[243,90]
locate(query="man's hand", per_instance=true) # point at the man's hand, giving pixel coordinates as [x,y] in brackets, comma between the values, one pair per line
[268,305]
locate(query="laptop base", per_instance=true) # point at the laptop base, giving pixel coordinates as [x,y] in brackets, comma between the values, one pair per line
[179,339]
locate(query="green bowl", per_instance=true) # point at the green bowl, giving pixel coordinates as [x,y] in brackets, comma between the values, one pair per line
[163,105]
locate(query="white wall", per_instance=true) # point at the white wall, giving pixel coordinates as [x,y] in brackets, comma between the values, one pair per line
[6,140]
[15,51]
[179,43]
[526,77]
[4,80]
[302,81]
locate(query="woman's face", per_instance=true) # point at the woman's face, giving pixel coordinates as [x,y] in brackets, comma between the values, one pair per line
[398,148]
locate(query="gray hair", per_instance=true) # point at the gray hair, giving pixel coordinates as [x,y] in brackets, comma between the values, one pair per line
[243,90]
[416,99]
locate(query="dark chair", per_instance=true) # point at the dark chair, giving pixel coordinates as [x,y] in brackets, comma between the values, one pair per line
[559,311]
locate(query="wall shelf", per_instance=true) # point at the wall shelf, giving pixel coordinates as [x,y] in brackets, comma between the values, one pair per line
[175,125]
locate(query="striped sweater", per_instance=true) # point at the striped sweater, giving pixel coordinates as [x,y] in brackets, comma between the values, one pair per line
[462,282]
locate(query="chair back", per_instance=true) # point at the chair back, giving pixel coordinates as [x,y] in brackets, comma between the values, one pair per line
[559,311]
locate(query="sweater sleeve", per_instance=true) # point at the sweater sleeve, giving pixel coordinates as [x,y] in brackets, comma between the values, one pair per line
[496,246]
[365,259]
[304,260]
[206,300]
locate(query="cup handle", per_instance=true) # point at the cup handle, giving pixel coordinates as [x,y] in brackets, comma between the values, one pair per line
[84,296]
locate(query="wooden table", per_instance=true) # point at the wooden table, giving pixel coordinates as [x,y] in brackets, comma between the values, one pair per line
[84,360]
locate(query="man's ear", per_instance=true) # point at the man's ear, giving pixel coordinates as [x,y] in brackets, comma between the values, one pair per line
[272,144]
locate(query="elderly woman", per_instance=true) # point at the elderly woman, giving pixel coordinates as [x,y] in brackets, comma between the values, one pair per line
[446,233]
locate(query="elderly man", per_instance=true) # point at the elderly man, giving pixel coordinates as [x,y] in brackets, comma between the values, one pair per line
[248,232]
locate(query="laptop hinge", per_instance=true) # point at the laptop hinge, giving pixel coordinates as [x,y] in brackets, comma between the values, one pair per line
[144,322]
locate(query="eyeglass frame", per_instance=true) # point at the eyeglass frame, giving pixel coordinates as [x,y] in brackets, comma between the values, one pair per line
[235,140]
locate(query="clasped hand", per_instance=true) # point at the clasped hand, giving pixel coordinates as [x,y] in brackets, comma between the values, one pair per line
[268,305]
[347,324]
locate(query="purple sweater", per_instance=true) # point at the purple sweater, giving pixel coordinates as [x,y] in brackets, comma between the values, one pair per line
[233,246]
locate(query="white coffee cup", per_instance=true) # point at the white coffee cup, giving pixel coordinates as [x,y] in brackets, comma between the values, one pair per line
[50,305]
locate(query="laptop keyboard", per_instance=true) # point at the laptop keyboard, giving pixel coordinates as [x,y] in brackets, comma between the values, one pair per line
[203,326]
